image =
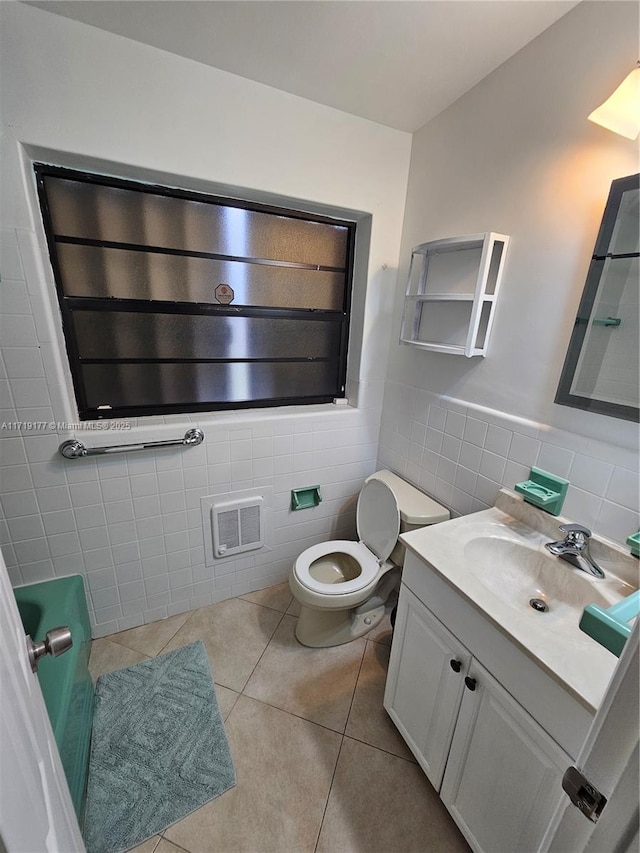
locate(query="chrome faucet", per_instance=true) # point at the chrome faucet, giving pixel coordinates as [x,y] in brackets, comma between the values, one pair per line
[574,548]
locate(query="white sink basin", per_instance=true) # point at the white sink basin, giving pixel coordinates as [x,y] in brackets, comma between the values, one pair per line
[497,561]
[530,579]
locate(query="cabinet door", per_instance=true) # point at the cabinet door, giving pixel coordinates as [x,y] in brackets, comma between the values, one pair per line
[423,689]
[503,777]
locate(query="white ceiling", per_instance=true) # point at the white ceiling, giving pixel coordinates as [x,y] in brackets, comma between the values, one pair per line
[396,62]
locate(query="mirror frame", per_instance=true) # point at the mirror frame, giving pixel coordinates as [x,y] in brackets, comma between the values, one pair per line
[564,397]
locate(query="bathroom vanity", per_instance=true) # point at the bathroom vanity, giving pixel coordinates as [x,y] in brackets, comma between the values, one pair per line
[494,697]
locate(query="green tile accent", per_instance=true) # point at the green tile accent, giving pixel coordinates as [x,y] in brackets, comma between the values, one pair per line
[544,490]
[305,498]
[607,321]
[634,543]
[610,627]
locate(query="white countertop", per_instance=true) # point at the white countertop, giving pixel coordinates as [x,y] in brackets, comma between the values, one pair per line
[460,552]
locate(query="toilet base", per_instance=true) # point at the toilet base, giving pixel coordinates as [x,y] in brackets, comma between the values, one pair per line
[321,629]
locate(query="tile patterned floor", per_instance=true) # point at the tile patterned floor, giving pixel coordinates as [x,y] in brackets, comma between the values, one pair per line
[320,766]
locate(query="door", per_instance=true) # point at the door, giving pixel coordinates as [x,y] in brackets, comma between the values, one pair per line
[36,812]
[504,772]
[609,760]
[425,683]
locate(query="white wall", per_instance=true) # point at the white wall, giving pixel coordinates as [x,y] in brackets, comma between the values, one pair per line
[132,524]
[517,155]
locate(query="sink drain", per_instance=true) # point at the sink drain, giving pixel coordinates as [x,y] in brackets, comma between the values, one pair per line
[539,605]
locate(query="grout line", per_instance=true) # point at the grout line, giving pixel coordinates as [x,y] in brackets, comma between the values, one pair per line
[326,805]
[119,643]
[237,597]
[292,714]
[355,684]
[268,606]
[108,672]
[298,716]
[382,749]
[169,841]
[277,707]
[235,701]
[188,619]
[266,646]
[377,642]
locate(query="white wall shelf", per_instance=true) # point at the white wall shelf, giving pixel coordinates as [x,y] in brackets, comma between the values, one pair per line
[451,293]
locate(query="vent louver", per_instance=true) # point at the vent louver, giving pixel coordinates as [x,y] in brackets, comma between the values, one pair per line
[237,526]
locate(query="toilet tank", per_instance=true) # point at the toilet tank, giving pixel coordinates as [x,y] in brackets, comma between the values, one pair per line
[416,508]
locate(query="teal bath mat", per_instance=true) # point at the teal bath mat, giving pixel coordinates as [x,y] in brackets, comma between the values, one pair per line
[159,749]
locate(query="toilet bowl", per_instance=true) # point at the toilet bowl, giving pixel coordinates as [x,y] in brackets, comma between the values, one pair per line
[345,587]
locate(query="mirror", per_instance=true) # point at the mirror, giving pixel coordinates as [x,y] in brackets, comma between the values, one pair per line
[601,371]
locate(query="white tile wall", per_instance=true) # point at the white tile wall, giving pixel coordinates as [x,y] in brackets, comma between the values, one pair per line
[132,524]
[134,529]
[469,452]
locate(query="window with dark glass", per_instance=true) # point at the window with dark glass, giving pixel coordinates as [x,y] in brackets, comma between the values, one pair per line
[174,301]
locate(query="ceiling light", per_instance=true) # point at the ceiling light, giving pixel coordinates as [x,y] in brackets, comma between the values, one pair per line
[621,111]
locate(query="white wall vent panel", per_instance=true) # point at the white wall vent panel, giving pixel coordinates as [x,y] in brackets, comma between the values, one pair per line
[237,526]
[237,521]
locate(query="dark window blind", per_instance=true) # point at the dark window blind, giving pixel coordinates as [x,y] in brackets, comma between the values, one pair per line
[174,301]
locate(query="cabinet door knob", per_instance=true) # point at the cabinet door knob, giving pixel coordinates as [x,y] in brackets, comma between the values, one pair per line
[456,665]
[470,682]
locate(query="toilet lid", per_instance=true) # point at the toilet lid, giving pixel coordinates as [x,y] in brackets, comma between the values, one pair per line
[378,518]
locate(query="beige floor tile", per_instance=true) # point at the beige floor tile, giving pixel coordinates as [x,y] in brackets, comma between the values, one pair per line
[226,699]
[381,803]
[284,767]
[316,684]
[368,720]
[167,847]
[382,633]
[152,638]
[294,608]
[277,597]
[149,846]
[235,634]
[107,657]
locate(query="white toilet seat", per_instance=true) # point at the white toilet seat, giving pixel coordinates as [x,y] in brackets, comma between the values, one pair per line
[378,525]
[344,587]
[369,567]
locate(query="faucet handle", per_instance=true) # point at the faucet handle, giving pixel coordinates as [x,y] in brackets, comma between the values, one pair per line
[575,528]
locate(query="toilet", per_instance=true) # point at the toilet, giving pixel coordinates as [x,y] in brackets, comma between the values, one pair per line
[344,587]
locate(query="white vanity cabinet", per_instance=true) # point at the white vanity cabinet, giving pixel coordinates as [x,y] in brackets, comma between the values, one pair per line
[503,775]
[497,769]
[425,684]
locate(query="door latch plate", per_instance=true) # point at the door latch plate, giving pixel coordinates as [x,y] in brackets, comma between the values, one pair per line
[583,794]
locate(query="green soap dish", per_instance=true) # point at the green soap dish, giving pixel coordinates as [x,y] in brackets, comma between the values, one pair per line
[544,490]
[305,498]
[634,543]
[611,628]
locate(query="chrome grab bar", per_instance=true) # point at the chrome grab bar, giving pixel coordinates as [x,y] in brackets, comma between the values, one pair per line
[75,449]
